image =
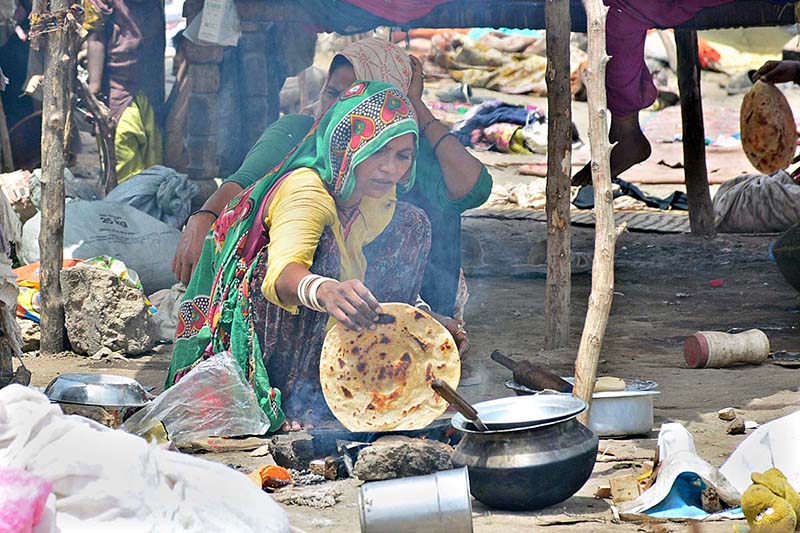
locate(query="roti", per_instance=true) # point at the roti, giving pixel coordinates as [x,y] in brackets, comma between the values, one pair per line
[769,133]
[381,380]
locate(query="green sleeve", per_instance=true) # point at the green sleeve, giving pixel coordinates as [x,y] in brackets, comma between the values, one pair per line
[431,182]
[270,149]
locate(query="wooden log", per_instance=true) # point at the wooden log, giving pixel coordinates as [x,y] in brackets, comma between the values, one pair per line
[5,142]
[701,210]
[559,171]
[57,105]
[594,327]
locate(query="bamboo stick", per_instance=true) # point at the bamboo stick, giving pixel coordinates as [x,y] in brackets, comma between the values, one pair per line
[605,232]
[559,170]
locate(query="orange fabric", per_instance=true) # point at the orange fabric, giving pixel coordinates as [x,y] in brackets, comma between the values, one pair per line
[28,275]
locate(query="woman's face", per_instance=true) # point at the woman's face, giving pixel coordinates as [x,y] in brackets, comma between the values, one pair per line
[380,172]
[340,80]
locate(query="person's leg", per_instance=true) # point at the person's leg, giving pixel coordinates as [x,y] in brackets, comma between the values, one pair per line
[129,140]
[291,345]
[629,85]
[396,260]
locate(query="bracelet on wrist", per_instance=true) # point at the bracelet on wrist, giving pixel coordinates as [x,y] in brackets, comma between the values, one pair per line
[208,211]
[435,146]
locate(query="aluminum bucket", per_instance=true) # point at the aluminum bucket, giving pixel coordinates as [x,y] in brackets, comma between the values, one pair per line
[439,502]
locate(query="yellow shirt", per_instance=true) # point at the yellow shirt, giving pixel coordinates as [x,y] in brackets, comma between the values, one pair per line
[300,209]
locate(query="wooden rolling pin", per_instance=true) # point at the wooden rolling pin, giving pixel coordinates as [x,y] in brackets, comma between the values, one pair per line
[531,375]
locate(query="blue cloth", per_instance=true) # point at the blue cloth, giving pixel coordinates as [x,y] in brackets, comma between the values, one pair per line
[492,112]
[477,33]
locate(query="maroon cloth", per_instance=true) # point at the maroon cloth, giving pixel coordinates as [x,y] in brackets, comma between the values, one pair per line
[292,344]
[398,10]
[629,84]
[135,42]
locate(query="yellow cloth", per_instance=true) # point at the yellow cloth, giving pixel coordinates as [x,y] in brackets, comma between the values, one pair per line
[92,18]
[138,142]
[300,208]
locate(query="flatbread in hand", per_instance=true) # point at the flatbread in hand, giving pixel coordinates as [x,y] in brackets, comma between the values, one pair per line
[381,380]
[769,133]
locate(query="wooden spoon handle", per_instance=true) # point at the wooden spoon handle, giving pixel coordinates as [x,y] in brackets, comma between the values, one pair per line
[453,398]
[504,360]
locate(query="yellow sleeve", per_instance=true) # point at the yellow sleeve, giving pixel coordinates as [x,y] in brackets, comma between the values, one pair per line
[300,209]
[93,19]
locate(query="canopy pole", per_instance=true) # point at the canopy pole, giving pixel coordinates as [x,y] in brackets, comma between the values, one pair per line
[559,174]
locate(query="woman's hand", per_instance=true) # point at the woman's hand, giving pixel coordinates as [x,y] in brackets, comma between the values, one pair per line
[456,329]
[190,246]
[417,80]
[778,72]
[349,302]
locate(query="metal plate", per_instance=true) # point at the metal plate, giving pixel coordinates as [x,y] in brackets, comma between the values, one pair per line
[524,411]
[631,386]
[97,389]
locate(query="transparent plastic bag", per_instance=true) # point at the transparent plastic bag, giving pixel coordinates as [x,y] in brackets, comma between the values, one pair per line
[213,399]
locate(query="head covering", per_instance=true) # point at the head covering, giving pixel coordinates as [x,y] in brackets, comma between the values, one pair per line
[376,59]
[360,122]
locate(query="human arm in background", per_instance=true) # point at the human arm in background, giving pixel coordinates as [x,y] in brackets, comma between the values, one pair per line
[779,72]
[270,149]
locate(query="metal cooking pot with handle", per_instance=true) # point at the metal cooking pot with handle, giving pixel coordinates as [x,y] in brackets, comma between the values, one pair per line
[529,467]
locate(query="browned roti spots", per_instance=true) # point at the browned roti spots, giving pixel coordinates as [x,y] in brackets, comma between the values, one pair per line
[385,318]
[388,370]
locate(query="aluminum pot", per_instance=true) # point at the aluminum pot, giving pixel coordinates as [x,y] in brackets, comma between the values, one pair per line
[527,468]
[615,413]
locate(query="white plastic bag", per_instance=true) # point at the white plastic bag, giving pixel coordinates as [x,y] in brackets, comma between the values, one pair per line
[144,244]
[212,400]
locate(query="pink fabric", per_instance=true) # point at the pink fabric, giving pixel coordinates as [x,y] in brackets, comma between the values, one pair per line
[375,59]
[629,84]
[22,500]
[398,10]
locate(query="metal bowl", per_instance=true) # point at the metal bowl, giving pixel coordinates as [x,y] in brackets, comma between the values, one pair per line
[523,411]
[104,390]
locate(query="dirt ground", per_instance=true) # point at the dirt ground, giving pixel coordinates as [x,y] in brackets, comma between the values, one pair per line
[662,294]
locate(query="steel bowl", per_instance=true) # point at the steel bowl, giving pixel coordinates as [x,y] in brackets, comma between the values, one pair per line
[104,390]
[523,411]
[615,413]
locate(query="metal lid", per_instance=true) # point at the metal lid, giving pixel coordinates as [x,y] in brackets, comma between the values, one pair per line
[523,411]
[97,389]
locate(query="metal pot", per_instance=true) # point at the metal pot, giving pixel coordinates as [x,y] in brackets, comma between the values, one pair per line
[527,468]
[615,413]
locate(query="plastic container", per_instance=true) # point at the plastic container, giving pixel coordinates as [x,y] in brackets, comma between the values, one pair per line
[715,349]
[420,504]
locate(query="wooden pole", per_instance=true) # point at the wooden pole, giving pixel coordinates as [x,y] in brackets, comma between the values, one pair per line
[701,210]
[56,109]
[594,328]
[559,171]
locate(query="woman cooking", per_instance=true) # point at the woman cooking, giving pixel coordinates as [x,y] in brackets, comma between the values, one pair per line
[450,180]
[320,237]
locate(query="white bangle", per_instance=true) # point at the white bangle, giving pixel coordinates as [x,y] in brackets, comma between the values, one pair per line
[312,293]
[302,289]
[422,304]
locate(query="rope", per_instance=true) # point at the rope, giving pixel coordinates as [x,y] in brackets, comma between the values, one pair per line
[50,21]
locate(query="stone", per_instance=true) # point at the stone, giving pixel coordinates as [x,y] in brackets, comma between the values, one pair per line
[93,412]
[736,427]
[292,450]
[398,457]
[102,312]
[31,334]
[727,414]
[254,68]
[204,78]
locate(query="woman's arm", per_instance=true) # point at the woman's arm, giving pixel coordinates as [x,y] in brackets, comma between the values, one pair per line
[460,169]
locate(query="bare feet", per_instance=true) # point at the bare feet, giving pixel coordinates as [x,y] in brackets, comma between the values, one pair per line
[631,149]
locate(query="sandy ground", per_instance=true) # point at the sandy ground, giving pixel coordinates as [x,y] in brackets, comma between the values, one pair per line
[662,295]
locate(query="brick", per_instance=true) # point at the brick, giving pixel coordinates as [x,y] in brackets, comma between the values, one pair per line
[204,79]
[201,152]
[199,54]
[202,117]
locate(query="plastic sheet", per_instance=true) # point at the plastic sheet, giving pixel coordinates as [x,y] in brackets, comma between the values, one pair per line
[213,399]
